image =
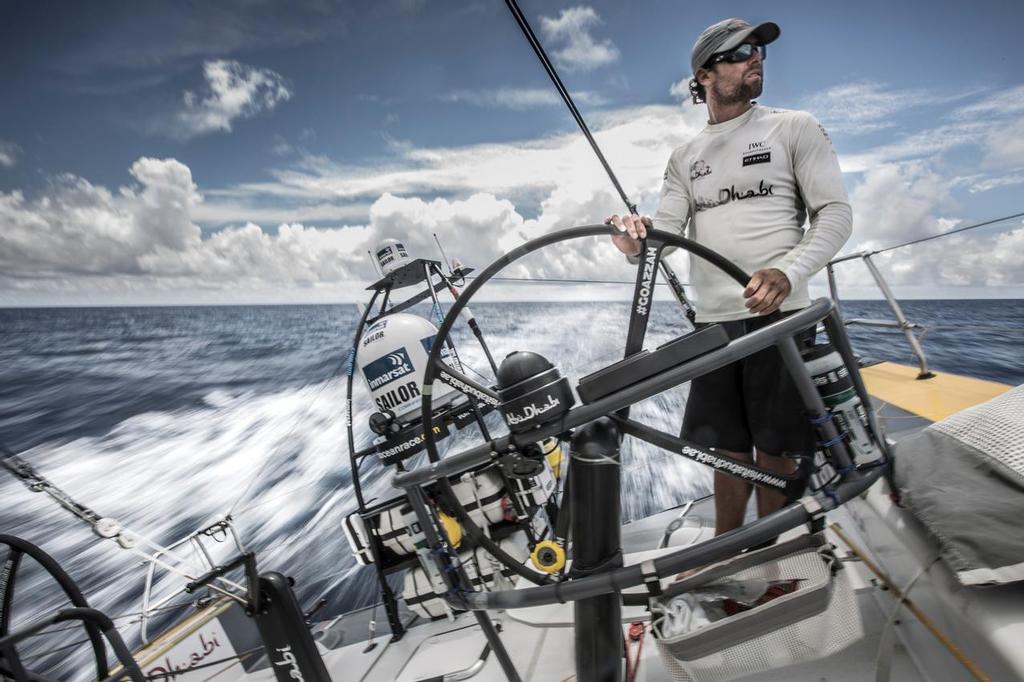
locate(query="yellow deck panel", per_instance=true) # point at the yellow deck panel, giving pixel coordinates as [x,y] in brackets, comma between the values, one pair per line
[933,399]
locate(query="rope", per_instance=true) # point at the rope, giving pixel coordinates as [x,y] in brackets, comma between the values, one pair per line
[960,656]
[637,631]
[91,518]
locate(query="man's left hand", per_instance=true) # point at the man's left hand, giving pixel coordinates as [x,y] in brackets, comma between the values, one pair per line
[766,291]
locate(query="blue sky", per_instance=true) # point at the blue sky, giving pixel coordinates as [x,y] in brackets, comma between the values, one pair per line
[251,151]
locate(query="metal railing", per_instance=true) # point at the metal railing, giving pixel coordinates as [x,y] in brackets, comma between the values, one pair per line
[900,322]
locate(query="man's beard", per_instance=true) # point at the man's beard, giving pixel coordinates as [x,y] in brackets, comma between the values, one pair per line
[742,93]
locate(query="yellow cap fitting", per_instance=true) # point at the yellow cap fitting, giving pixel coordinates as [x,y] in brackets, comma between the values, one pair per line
[548,556]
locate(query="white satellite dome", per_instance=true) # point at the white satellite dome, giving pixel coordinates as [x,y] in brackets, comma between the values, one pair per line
[393,358]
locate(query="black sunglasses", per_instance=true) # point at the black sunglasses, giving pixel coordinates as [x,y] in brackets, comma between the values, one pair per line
[738,54]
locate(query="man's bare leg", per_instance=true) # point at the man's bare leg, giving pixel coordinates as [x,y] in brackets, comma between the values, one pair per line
[768,500]
[731,496]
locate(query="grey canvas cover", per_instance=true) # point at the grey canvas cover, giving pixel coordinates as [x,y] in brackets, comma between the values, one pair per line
[963,477]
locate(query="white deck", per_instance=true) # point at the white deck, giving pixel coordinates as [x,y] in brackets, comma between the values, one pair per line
[540,639]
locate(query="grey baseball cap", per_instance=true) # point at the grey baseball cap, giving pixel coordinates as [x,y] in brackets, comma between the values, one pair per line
[727,34]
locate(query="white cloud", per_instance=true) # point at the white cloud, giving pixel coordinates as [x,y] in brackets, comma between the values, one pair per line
[1004,148]
[992,183]
[923,144]
[896,203]
[83,229]
[636,141]
[219,208]
[145,231]
[232,90]
[480,199]
[519,99]
[856,108]
[681,89]
[575,48]
[1009,103]
[9,153]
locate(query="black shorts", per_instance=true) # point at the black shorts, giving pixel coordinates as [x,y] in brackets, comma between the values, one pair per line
[749,403]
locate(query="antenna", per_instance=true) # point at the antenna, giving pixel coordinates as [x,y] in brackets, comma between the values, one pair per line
[373,262]
[439,248]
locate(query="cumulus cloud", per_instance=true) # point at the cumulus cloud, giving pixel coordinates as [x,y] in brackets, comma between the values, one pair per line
[896,203]
[481,200]
[232,90]
[575,47]
[681,89]
[9,154]
[80,228]
[142,238]
[145,230]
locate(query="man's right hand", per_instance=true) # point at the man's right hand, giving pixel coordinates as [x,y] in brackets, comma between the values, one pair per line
[632,228]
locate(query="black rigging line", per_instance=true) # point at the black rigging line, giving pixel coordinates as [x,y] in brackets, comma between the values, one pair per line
[566,97]
[946,234]
[670,275]
[542,280]
[934,236]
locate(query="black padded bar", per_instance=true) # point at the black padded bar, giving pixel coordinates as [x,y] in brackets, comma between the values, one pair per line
[646,364]
[736,349]
[746,471]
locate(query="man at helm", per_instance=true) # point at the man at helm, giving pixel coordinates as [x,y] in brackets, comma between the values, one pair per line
[743,187]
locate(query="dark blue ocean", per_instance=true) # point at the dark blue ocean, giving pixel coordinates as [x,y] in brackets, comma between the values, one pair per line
[169,418]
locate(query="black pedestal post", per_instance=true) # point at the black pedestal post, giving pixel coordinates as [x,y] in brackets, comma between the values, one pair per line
[596,535]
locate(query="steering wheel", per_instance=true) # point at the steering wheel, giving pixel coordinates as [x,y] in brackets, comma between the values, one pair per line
[97,625]
[779,332]
[651,250]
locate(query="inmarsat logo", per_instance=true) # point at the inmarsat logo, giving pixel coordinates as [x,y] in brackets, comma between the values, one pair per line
[384,370]
[643,298]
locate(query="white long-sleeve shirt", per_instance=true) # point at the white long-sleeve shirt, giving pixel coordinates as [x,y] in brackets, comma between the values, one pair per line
[744,188]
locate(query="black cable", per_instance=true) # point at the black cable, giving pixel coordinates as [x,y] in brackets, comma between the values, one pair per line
[48,652]
[541,280]
[946,234]
[677,289]
[566,97]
